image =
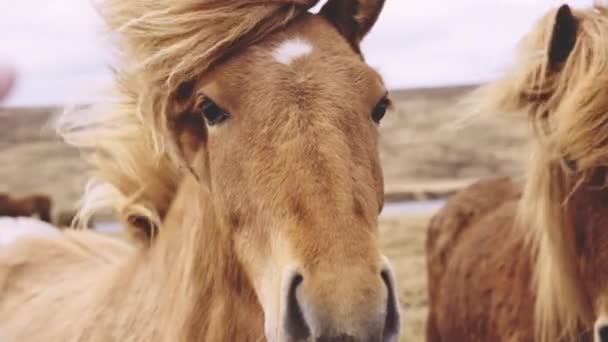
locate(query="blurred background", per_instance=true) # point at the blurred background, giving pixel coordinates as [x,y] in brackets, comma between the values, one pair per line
[53,53]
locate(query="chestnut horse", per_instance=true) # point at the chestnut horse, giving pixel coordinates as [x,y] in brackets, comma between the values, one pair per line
[267,115]
[530,265]
[32,205]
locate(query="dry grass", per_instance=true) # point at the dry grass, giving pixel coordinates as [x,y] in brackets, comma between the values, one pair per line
[425,140]
[403,243]
[33,159]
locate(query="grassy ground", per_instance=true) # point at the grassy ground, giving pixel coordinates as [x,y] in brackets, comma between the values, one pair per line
[403,243]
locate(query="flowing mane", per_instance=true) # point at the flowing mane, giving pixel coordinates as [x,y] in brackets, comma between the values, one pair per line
[567,106]
[136,161]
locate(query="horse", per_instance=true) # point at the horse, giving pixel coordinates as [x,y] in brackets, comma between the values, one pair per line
[31,205]
[525,262]
[241,150]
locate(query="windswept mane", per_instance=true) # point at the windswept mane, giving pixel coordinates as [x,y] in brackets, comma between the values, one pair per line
[568,110]
[162,45]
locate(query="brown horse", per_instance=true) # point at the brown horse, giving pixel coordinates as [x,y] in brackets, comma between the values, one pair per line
[505,266]
[267,116]
[32,205]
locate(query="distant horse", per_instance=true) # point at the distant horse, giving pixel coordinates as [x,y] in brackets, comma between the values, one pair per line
[505,266]
[32,205]
[250,130]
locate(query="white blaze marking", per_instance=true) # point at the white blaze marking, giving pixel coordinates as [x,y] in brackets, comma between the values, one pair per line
[291,50]
[13,228]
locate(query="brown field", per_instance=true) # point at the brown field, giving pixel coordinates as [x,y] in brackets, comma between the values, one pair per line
[424,151]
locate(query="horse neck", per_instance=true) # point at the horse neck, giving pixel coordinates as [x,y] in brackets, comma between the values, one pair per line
[209,293]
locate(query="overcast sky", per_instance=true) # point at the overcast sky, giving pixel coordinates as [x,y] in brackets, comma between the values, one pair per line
[57,46]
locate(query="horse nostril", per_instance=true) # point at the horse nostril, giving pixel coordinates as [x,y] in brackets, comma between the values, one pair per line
[295,324]
[392,320]
[602,332]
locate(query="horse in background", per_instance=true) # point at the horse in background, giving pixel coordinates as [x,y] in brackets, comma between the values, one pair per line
[258,122]
[37,205]
[513,264]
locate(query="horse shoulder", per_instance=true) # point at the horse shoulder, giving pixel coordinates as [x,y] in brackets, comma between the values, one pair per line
[460,212]
[467,207]
[485,199]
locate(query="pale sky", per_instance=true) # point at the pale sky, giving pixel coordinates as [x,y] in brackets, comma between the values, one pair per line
[58,49]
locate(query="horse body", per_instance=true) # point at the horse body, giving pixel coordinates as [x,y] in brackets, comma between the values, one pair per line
[119,292]
[480,267]
[30,309]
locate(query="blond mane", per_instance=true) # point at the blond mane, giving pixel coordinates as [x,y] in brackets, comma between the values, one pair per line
[568,113]
[137,164]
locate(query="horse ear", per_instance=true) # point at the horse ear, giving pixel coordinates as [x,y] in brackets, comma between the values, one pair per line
[353,18]
[563,37]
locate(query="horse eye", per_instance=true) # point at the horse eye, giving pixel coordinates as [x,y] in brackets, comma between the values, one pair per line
[380,109]
[213,113]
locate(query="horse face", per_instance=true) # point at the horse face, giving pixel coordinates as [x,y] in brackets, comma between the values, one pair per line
[288,131]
